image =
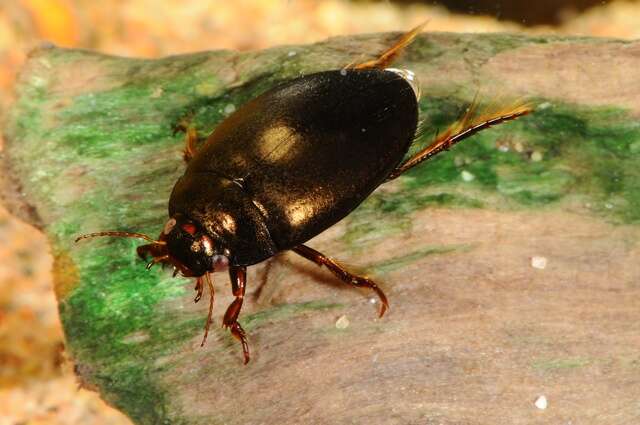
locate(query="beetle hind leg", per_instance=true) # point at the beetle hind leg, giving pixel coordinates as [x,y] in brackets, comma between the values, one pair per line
[342,274]
[392,53]
[470,124]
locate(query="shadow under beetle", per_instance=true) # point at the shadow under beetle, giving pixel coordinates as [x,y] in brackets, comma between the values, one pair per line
[289,164]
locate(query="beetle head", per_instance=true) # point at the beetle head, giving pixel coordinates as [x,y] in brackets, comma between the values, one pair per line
[190,249]
[182,244]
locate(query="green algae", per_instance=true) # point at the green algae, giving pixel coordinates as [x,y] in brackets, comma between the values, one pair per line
[401,261]
[549,365]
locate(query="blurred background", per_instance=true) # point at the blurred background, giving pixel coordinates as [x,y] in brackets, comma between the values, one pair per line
[37,386]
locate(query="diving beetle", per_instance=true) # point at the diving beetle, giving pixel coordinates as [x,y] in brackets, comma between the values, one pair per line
[289,164]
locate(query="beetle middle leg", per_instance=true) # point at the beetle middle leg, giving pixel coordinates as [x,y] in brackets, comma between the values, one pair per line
[191,137]
[342,274]
[238,276]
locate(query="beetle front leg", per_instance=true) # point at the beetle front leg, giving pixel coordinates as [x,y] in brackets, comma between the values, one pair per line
[342,274]
[238,276]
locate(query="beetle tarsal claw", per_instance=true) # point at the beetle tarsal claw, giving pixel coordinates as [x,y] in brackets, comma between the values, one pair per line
[199,290]
[161,259]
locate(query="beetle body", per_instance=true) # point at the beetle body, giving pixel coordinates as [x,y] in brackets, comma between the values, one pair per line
[295,160]
[290,163]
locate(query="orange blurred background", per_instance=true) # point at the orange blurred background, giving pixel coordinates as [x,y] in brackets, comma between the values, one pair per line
[36,387]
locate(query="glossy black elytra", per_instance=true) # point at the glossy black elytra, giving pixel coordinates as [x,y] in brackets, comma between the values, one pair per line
[289,164]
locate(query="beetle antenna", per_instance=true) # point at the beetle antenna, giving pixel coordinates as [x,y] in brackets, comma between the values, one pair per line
[121,235]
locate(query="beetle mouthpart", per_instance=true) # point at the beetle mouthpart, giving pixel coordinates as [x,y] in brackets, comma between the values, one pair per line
[409,77]
[219,262]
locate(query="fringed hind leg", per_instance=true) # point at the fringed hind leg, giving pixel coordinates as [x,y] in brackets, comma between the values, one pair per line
[391,54]
[470,124]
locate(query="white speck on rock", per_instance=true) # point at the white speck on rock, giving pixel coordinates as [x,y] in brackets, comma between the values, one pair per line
[292,53]
[229,109]
[467,176]
[541,402]
[372,300]
[538,262]
[342,322]
[157,92]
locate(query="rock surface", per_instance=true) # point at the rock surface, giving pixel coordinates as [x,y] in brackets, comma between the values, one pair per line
[475,333]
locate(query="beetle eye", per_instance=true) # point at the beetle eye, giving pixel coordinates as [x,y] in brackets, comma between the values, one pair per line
[196,246]
[168,226]
[189,228]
